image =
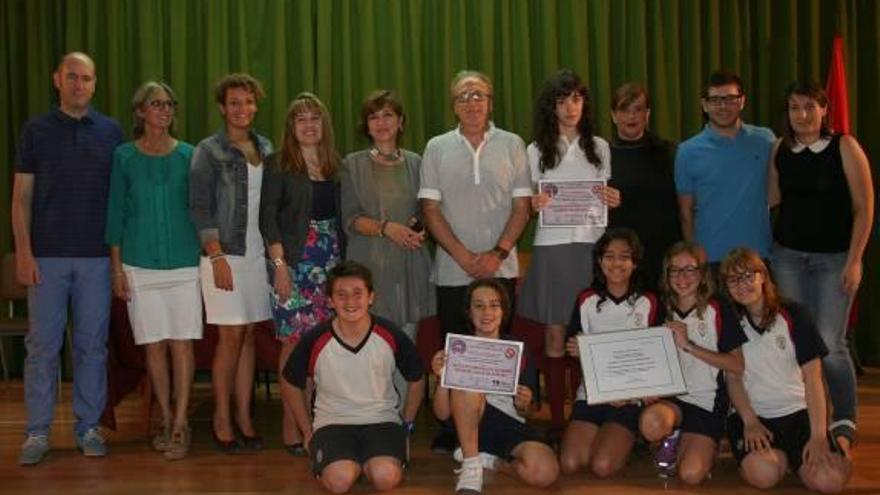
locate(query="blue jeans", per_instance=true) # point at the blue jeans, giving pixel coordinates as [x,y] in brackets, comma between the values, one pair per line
[84,283]
[814,280]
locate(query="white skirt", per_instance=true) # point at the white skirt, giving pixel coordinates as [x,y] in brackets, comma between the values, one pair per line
[247,302]
[165,304]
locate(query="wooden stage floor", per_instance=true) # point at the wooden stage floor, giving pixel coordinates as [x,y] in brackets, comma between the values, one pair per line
[133,469]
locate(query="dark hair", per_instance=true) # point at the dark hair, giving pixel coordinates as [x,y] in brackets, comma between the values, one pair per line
[290,159]
[237,80]
[546,124]
[813,91]
[600,284]
[628,93]
[499,289]
[349,269]
[721,78]
[378,100]
[704,289]
[742,260]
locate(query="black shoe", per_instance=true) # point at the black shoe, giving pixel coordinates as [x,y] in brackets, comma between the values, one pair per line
[444,443]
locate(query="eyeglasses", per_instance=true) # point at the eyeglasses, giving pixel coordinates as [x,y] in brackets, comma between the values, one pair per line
[743,278]
[474,96]
[726,100]
[685,271]
[170,104]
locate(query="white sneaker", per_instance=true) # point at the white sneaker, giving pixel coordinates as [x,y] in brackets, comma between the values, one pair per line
[489,461]
[470,477]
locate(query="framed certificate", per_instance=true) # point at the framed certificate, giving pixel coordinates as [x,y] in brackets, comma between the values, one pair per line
[630,364]
[573,203]
[482,365]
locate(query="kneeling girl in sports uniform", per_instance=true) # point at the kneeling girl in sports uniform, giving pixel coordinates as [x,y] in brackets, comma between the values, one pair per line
[491,428]
[600,436]
[708,335]
[356,428]
[781,412]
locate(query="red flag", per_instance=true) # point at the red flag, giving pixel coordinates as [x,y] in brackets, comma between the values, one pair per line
[838,96]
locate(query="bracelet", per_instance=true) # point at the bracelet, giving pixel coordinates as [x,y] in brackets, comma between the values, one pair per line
[382,226]
[278,262]
[214,257]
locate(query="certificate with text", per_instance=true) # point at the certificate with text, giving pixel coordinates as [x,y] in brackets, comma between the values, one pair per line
[482,365]
[573,203]
[630,364]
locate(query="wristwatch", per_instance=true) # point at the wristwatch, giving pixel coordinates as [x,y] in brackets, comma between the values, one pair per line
[278,262]
[501,252]
[409,427]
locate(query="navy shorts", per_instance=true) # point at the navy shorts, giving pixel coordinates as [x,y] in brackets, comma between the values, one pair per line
[598,414]
[695,419]
[790,434]
[358,443]
[500,434]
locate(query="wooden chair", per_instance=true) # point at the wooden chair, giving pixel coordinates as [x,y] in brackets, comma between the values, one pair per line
[10,291]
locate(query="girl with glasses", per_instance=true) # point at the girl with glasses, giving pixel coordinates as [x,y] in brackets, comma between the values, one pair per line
[781,412]
[708,336]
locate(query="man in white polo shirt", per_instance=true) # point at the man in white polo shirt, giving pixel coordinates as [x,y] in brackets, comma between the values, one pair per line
[474,192]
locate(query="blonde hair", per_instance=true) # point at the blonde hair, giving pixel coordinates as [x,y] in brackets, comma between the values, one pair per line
[704,289]
[742,260]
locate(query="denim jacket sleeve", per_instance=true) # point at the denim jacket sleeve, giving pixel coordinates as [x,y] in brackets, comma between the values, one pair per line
[202,199]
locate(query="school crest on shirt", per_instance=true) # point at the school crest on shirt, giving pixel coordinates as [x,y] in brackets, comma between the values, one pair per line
[780,342]
[639,319]
[701,328]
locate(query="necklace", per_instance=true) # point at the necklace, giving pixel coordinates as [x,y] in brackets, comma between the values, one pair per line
[393,156]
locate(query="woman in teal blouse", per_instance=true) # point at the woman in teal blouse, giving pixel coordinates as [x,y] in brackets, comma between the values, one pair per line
[154,251]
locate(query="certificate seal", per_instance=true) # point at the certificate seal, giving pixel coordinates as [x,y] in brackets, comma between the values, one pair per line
[458,346]
[509,353]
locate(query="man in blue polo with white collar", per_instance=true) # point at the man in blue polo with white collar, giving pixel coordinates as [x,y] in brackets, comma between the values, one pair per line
[721,175]
[59,208]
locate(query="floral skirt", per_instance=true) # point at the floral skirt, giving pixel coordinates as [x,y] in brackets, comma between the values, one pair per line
[309,303]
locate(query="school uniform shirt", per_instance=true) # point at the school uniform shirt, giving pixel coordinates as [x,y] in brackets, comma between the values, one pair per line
[594,314]
[773,358]
[718,330]
[528,376]
[354,385]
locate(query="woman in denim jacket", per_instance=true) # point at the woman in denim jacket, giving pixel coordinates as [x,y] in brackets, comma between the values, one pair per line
[225,184]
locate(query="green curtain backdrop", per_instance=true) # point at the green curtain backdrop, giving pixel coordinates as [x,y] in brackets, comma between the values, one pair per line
[343,49]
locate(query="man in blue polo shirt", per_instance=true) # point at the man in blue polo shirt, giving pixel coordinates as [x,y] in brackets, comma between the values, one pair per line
[59,203]
[721,175]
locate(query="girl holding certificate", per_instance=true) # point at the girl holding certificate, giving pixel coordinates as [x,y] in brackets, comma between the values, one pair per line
[491,428]
[708,336]
[781,412]
[564,148]
[600,436]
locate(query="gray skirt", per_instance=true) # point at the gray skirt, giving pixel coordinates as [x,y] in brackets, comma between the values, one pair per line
[554,278]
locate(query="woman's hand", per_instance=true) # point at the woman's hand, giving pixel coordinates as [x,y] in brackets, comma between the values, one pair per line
[540,200]
[222,273]
[120,286]
[438,363]
[610,196]
[281,282]
[679,333]
[757,437]
[571,347]
[523,398]
[851,277]
[403,236]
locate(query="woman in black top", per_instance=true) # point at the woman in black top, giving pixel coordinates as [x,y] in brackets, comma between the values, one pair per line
[643,172]
[821,182]
[300,222]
